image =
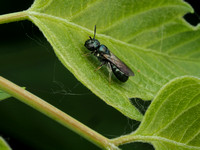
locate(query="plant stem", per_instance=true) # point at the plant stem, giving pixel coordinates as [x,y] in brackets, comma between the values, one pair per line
[12,17]
[132,137]
[54,113]
[123,140]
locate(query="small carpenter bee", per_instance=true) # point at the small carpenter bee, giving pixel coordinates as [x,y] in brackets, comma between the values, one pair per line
[115,65]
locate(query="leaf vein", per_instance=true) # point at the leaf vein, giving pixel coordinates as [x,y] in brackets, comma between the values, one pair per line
[183,43]
[121,20]
[165,140]
[169,123]
[198,132]
[161,104]
[78,13]
[192,123]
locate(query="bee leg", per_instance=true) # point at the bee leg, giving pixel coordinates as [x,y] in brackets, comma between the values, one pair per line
[110,72]
[88,54]
[102,63]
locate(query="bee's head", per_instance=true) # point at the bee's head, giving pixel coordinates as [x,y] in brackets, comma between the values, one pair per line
[92,44]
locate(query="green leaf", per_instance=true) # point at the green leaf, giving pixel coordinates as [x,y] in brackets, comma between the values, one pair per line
[149,36]
[173,119]
[4,95]
[4,145]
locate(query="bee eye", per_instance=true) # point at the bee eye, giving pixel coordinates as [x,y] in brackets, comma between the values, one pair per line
[92,44]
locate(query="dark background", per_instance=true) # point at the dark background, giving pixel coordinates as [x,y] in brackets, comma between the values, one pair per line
[29,61]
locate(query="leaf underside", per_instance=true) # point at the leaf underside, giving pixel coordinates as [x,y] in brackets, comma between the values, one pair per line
[172,121]
[149,36]
[4,95]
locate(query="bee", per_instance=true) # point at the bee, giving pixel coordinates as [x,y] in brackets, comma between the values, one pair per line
[103,54]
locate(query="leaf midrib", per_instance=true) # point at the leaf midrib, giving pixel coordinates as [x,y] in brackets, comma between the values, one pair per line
[136,48]
[150,138]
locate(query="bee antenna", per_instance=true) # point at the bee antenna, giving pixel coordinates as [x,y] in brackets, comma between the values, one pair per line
[90,37]
[94,31]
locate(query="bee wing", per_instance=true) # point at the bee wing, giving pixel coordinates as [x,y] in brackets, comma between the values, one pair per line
[119,64]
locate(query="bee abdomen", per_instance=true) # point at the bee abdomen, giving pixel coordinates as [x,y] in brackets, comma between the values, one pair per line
[118,73]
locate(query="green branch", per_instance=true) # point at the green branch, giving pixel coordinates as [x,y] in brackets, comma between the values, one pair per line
[55,114]
[12,17]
